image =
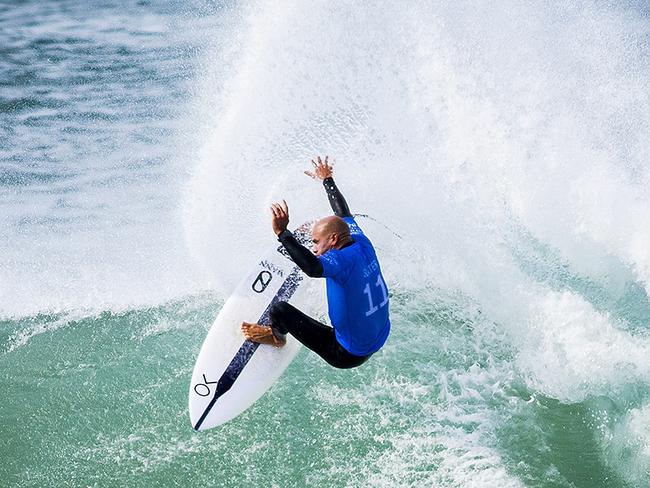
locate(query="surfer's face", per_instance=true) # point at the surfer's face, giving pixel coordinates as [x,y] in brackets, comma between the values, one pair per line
[322,240]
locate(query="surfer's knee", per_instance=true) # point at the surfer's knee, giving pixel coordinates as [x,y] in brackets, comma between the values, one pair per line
[280,315]
[280,309]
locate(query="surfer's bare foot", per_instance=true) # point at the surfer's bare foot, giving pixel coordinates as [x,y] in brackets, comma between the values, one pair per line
[261,334]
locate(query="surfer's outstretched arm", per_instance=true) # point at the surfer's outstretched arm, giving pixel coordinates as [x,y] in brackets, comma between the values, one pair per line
[323,171]
[302,256]
[337,202]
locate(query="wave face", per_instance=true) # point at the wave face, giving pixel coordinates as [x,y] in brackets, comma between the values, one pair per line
[506,145]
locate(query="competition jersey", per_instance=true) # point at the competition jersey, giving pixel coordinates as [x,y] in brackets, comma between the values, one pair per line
[357,295]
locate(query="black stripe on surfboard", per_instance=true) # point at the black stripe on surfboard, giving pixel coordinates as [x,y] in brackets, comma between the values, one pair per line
[247,349]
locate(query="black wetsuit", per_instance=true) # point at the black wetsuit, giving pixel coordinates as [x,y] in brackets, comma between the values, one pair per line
[285,318]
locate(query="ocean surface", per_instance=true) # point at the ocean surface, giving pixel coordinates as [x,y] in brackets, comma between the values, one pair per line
[507,143]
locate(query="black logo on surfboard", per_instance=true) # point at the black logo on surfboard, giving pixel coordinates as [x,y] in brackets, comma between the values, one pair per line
[203,389]
[262,281]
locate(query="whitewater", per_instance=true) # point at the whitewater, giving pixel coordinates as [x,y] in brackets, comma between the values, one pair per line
[506,144]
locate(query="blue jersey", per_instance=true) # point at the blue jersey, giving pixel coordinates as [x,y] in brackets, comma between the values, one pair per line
[357,296]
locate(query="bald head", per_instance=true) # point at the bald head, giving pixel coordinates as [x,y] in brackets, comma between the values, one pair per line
[332,225]
[330,233]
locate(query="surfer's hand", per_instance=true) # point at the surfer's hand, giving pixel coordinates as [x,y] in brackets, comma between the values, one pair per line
[322,169]
[280,218]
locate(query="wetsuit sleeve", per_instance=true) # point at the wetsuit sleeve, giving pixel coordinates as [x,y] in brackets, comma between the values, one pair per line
[337,202]
[303,257]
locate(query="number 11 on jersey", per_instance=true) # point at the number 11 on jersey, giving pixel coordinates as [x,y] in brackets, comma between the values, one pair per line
[381,285]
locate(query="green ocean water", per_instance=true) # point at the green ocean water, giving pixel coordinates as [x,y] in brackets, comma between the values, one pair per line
[504,148]
[101,401]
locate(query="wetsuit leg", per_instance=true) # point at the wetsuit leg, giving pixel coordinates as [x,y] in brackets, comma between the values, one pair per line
[316,336]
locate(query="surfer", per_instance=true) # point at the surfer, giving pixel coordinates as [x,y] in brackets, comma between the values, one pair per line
[357,296]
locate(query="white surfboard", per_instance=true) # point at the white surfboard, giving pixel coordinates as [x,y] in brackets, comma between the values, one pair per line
[231,373]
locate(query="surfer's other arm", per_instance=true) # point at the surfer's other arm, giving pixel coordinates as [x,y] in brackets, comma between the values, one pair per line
[302,256]
[323,171]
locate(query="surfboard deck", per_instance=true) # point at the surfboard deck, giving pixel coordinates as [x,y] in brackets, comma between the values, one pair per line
[231,373]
